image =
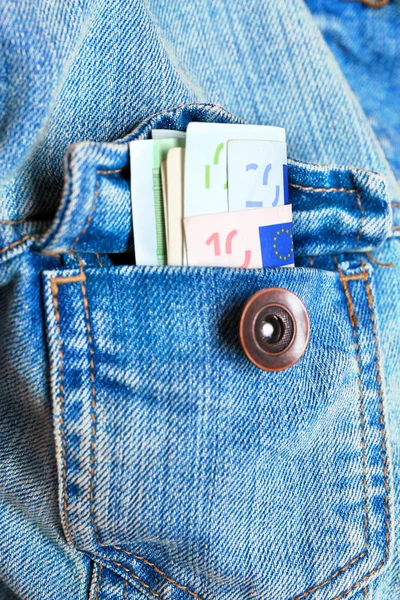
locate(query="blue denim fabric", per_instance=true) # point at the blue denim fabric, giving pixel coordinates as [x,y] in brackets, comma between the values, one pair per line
[366,44]
[142,454]
[212,463]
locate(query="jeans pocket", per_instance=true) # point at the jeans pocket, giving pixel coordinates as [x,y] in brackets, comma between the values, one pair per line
[191,472]
[335,208]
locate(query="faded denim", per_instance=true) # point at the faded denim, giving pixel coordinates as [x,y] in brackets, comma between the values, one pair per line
[142,454]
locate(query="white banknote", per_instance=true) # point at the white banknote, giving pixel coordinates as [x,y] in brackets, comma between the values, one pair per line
[206,183]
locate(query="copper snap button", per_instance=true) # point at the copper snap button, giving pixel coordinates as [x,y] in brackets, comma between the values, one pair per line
[274,329]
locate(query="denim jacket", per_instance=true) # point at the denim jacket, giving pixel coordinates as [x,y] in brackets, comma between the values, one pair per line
[142,454]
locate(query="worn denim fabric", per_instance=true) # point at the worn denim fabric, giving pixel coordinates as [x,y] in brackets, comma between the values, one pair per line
[142,454]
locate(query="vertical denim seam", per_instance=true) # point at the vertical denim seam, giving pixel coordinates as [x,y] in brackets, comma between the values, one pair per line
[353,321]
[126,583]
[364,275]
[54,290]
[345,191]
[94,204]
[98,259]
[55,281]
[98,582]
[354,324]
[93,461]
[89,217]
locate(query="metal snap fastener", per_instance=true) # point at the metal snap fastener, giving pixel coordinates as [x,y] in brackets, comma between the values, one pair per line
[274,329]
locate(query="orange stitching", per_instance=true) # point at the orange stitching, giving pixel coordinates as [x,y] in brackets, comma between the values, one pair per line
[383,443]
[54,291]
[379,379]
[355,277]
[135,577]
[15,222]
[98,259]
[365,591]
[69,279]
[93,448]
[395,227]
[344,279]
[17,243]
[158,570]
[377,262]
[311,261]
[94,205]
[125,589]
[322,189]
[333,576]
[395,204]
[374,3]
[99,573]
[353,320]
[93,401]
[330,190]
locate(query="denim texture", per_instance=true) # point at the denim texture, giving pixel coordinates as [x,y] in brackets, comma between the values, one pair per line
[366,44]
[142,455]
[210,454]
[97,192]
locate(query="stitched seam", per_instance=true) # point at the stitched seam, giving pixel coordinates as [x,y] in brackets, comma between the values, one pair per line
[93,461]
[158,570]
[344,190]
[377,262]
[364,276]
[118,564]
[354,322]
[125,589]
[395,227]
[383,442]
[94,205]
[99,574]
[54,291]
[355,277]
[55,281]
[15,222]
[17,243]
[374,3]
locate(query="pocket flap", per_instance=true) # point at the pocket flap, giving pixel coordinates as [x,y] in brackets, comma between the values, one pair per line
[335,209]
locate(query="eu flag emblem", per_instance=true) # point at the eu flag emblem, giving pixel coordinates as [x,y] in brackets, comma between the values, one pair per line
[276,243]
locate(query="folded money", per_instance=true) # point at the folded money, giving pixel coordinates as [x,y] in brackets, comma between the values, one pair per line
[247,238]
[210,176]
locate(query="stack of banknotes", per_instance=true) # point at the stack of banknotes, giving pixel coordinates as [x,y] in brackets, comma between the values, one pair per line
[215,195]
